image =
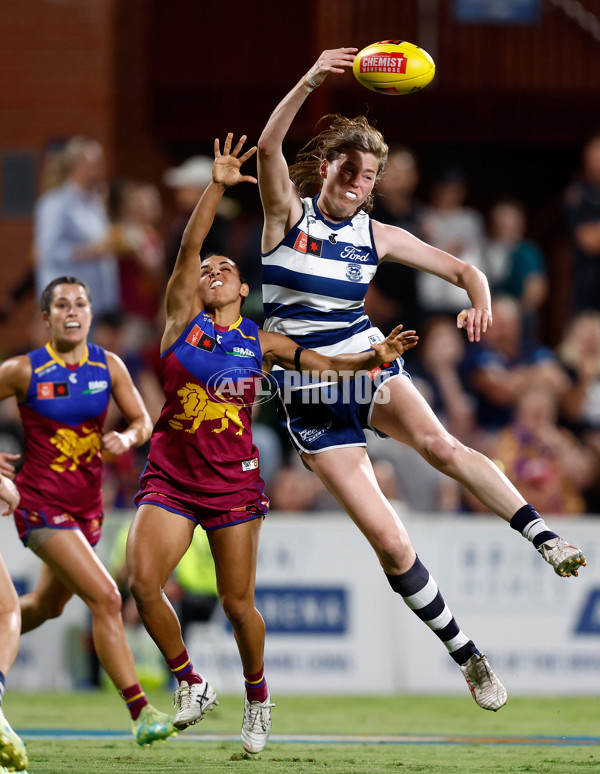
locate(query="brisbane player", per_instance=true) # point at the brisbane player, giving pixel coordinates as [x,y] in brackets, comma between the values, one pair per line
[203,468]
[63,390]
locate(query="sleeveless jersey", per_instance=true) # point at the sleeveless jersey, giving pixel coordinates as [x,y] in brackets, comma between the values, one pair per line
[315,282]
[63,418]
[203,437]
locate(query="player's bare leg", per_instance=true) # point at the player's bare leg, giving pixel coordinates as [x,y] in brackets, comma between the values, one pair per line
[45,602]
[408,418]
[157,541]
[235,551]
[10,620]
[349,476]
[12,750]
[76,568]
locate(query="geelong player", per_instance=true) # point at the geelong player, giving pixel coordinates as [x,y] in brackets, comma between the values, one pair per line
[63,390]
[203,467]
[319,255]
[12,750]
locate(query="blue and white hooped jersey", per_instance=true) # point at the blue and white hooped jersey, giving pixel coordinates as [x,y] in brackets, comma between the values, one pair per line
[315,282]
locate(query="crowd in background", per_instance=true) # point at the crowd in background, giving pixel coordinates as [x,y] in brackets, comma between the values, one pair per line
[533,409]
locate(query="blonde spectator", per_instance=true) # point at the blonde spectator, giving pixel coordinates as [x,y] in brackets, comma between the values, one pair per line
[71,226]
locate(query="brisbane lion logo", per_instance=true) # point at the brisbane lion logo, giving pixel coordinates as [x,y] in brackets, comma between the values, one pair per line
[73,447]
[198,408]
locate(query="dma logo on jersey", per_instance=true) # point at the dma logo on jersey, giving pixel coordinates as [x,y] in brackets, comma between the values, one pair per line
[49,390]
[308,245]
[242,352]
[95,386]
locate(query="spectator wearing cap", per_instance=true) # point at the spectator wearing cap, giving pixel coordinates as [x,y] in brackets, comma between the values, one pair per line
[188,182]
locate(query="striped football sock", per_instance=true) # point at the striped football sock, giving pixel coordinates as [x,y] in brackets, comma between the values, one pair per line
[2,681]
[420,592]
[530,524]
[183,669]
[135,699]
[256,685]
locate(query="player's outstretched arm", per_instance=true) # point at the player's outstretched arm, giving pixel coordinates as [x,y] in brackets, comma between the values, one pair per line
[181,298]
[396,244]
[281,350]
[277,193]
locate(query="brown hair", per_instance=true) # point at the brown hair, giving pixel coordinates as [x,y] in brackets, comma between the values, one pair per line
[342,134]
[47,293]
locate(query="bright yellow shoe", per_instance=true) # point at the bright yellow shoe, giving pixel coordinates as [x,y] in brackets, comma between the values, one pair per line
[152,725]
[13,756]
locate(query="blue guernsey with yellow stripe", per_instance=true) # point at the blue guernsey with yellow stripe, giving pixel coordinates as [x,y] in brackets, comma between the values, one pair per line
[63,418]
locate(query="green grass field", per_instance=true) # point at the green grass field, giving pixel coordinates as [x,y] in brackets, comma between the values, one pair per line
[400,716]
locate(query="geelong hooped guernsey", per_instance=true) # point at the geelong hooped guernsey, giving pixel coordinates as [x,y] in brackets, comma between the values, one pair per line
[203,437]
[63,418]
[315,282]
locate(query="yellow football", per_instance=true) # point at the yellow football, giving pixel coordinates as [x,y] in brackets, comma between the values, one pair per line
[393,67]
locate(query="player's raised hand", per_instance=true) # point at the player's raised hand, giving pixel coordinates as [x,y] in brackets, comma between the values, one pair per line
[475,321]
[396,344]
[331,61]
[227,164]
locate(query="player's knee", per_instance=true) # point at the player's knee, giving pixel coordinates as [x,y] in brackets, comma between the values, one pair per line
[237,609]
[108,602]
[145,591]
[442,451]
[391,549]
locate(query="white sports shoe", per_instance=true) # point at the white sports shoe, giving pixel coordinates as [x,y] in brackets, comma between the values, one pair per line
[192,701]
[256,725]
[487,690]
[565,559]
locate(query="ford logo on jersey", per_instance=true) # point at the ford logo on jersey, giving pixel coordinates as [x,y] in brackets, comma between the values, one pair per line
[350,253]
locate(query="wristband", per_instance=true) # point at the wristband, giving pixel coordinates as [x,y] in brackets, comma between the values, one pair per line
[297,354]
[309,84]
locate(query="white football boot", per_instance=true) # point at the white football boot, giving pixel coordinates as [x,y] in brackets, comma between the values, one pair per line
[565,559]
[256,725]
[487,690]
[192,701]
